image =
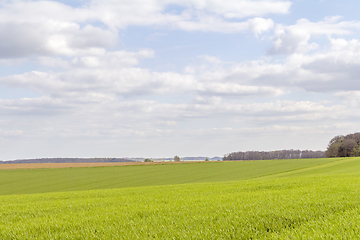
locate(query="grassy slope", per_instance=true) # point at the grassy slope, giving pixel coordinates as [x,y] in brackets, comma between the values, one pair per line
[309,201]
[73,179]
[325,207]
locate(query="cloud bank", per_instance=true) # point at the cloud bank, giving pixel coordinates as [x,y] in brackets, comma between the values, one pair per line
[93,96]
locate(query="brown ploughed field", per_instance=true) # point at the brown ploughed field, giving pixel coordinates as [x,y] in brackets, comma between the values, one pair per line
[73,165]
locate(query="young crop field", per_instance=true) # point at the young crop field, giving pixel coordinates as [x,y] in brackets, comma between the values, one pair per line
[22,181]
[285,199]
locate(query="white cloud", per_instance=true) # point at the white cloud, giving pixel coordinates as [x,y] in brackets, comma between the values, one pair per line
[10,133]
[196,16]
[233,89]
[114,73]
[117,59]
[214,24]
[242,8]
[295,38]
[92,104]
[349,95]
[350,98]
[50,28]
[52,38]
[260,25]
[333,69]
[33,106]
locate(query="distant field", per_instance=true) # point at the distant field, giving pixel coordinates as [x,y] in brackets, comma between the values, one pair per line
[285,199]
[22,181]
[74,165]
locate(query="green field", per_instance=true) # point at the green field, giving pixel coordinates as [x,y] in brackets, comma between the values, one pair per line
[74,179]
[278,199]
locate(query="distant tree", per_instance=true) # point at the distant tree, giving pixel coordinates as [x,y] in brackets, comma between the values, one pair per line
[176,159]
[278,154]
[148,160]
[355,152]
[207,159]
[333,150]
[336,139]
[344,146]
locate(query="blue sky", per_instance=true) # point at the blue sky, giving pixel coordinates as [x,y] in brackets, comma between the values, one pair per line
[158,78]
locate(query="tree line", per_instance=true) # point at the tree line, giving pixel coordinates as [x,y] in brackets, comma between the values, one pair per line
[68,160]
[279,154]
[344,146]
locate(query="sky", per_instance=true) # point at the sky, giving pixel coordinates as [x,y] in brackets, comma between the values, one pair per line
[159,78]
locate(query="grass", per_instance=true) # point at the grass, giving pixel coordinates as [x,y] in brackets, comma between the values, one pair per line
[312,200]
[296,208]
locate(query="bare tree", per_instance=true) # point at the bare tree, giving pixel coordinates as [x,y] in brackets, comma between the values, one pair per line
[279,154]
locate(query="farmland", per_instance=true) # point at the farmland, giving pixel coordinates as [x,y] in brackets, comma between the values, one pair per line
[74,165]
[297,199]
[22,181]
